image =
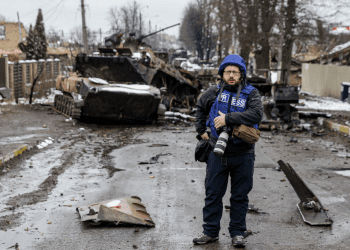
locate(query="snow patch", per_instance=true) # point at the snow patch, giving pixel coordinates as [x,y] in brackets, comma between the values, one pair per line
[98,80]
[45,143]
[324,103]
[125,90]
[131,86]
[340,47]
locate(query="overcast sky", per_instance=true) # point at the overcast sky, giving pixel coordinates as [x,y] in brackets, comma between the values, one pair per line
[66,14]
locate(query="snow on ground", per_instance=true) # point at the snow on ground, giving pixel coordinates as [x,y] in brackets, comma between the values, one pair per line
[339,47]
[49,99]
[312,102]
[322,103]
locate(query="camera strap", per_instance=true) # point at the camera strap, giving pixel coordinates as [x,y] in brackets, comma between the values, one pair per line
[221,89]
[238,91]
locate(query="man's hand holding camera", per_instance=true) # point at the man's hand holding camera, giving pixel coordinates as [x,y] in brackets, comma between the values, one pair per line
[220,120]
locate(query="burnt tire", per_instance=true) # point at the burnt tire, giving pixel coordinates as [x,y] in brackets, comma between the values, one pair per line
[59,103]
[70,107]
[64,104]
[55,103]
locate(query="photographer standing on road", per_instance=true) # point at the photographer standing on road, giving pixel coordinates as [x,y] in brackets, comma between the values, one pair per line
[229,104]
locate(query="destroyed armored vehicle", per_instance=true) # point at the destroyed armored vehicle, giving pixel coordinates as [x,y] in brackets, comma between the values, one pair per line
[125,82]
[95,97]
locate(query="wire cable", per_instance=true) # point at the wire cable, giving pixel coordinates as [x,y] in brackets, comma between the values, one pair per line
[53,10]
[36,9]
[59,12]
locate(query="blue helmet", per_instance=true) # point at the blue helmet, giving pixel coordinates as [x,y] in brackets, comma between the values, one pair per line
[234,60]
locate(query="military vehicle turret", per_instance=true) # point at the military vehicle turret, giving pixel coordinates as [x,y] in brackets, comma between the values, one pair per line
[124,81]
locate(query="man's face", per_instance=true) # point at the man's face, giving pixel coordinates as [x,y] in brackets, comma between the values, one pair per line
[232,75]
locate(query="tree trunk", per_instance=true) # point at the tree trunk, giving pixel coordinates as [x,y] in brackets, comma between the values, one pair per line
[268,13]
[288,41]
[262,54]
[243,38]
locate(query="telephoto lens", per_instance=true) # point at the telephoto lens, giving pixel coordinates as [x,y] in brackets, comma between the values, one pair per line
[221,144]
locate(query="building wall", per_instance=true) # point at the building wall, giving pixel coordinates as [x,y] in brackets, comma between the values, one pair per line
[324,80]
[9,43]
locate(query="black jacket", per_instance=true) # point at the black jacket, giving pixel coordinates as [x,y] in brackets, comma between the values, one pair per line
[251,116]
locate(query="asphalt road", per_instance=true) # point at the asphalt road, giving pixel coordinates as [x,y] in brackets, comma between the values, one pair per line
[89,163]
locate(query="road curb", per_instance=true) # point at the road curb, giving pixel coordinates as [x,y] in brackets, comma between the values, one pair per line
[14,153]
[338,127]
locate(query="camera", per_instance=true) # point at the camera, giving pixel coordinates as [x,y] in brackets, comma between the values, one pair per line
[221,144]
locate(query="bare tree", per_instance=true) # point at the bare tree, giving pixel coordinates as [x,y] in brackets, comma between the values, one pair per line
[125,19]
[53,35]
[205,10]
[76,38]
[114,18]
[224,26]
[243,27]
[267,19]
[191,30]
[134,9]
[263,25]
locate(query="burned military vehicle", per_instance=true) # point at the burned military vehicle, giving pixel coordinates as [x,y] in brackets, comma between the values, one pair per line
[95,97]
[124,81]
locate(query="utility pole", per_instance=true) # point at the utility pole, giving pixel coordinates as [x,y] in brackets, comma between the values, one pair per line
[140,24]
[19,28]
[156,37]
[100,36]
[84,27]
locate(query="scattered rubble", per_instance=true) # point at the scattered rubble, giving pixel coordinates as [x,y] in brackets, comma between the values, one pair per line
[293,139]
[153,160]
[251,209]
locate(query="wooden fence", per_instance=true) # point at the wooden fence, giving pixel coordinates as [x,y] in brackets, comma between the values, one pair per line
[21,75]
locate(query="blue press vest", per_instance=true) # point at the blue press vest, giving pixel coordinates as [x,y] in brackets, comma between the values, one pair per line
[225,107]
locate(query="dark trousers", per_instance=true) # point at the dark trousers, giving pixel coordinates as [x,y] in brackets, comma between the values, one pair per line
[241,169]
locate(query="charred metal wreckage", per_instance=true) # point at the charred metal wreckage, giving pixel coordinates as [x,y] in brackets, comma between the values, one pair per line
[278,100]
[125,81]
[121,211]
[310,207]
